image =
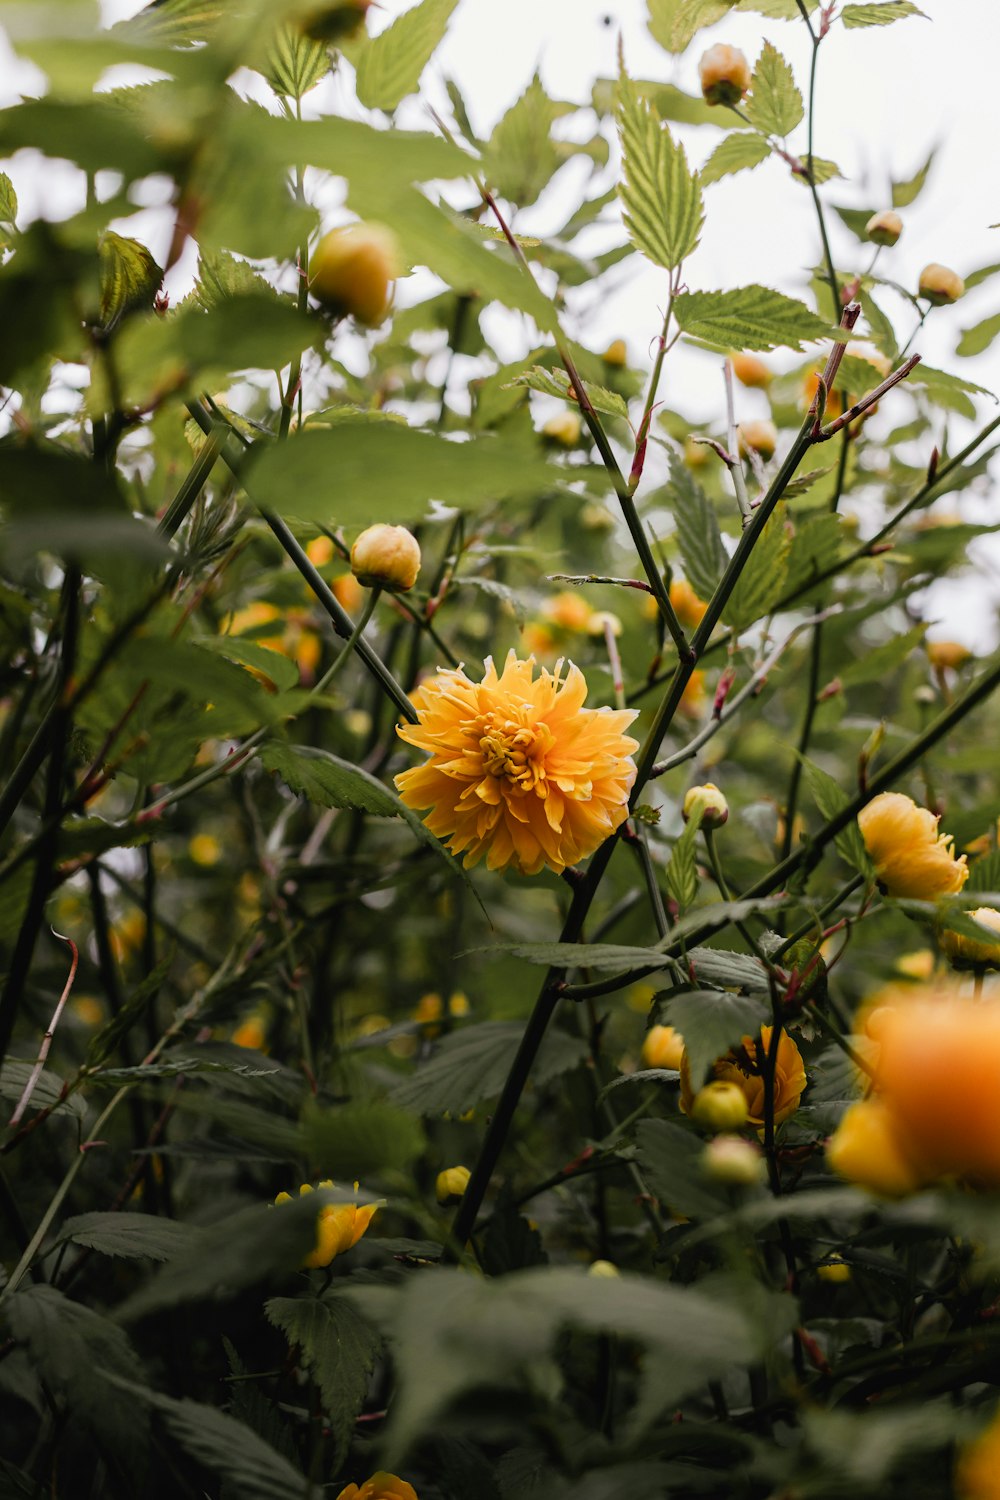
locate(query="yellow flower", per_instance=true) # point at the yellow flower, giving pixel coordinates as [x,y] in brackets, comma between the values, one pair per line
[568,610]
[947,655]
[430,1008]
[564,429]
[688,608]
[451,1183]
[866,1150]
[380,1486]
[743,1066]
[338,1228]
[205,849]
[694,696]
[662,1047]
[974,952]
[520,772]
[835,1270]
[616,354]
[251,1033]
[919,964]
[352,270]
[750,370]
[977,1475]
[910,857]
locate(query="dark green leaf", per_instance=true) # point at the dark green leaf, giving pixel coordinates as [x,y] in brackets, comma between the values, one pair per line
[762,582]
[130,277]
[670,1156]
[711,1022]
[337,1348]
[682,869]
[471,1065]
[330,782]
[130,1235]
[46,1093]
[359,1139]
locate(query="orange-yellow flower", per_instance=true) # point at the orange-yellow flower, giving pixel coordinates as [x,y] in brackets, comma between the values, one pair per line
[688,608]
[966,952]
[662,1047]
[380,1486]
[694,697]
[977,1475]
[519,771]
[568,610]
[910,857]
[744,1067]
[338,1228]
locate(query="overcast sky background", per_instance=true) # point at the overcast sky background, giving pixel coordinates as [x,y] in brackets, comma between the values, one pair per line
[885,97]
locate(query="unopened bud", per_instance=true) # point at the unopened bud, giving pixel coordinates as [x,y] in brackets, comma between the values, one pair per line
[695,453]
[750,370]
[730,1159]
[940,285]
[451,1183]
[951,654]
[386,557]
[336,22]
[884,228]
[709,801]
[663,1047]
[564,428]
[616,354]
[602,1268]
[834,1270]
[759,437]
[925,696]
[725,74]
[352,270]
[720,1105]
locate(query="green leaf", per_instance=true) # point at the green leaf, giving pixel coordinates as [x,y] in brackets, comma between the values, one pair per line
[670,1157]
[521,156]
[556,383]
[975,278]
[698,536]
[296,63]
[330,782]
[129,1235]
[751,317]
[904,193]
[674,23]
[67,1344]
[762,582]
[471,1065]
[736,152]
[264,661]
[241,1250]
[106,1041]
[337,1348]
[359,1139]
[830,798]
[815,545]
[775,104]
[221,275]
[238,700]
[394,471]
[8,202]
[711,1022]
[682,871]
[48,1089]
[882,663]
[979,337]
[130,277]
[661,198]
[984,873]
[882,14]
[882,333]
[391,63]
[948,390]
[219,1443]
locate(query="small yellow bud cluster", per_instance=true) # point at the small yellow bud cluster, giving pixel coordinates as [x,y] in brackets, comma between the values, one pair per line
[386,557]
[663,1047]
[750,370]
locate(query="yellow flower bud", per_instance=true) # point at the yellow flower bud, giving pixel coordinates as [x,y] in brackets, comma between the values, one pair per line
[662,1047]
[713,805]
[940,285]
[730,1159]
[967,952]
[205,849]
[602,1268]
[834,1270]
[865,1149]
[947,654]
[616,354]
[386,557]
[564,428]
[758,437]
[352,270]
[451,1183]
[884,228]
[750,370]
[601,619]
[688,608]
[725,74]
[720,1105]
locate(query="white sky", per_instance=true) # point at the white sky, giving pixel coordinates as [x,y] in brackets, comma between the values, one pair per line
[885,96]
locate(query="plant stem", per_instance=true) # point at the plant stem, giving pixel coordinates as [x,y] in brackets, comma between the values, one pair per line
[811,178]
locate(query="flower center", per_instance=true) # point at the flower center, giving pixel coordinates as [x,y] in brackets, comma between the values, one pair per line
[514,752]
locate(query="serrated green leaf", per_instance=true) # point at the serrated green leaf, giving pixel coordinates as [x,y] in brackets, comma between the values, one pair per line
[129,1235]
[736,152]
[830,798]
[47,1092]
[670,1157]
[661,198]
[775,104]
[521,156]
[329,781]
[359,1139]
[105,1042]
[262,660]
[674,23]
[337,1348]
[882,333]
[391,63]
[471,1065]
[296,63]
[979,337]
[698,535]
[227,1448]
[880,14]
[947,390]
[751,317]
[221,275]
[762,582]
[711,1022]
[682,870]
[130,277]
[881,663]
[823,170]
[556,383]
[904,193]
[8,201]
[815,545]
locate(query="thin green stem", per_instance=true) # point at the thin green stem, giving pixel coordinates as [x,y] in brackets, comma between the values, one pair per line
[811,178]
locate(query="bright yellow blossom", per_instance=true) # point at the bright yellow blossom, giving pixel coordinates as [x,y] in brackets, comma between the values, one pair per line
[975,952]
[744,1067]
[380,1486]
[662,1047]
[338,1228]
[910,857]
[519,771]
